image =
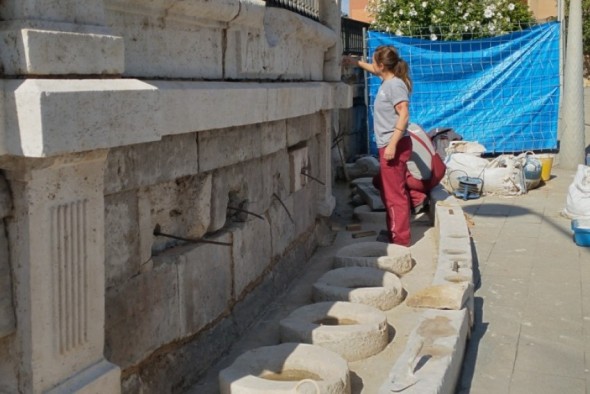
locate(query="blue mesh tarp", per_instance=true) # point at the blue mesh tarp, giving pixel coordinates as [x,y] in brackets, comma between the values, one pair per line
[502,92]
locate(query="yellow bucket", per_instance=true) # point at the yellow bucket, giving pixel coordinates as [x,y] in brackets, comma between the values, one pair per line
[546,164]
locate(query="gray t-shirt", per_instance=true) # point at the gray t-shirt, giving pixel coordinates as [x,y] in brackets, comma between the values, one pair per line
[391,92]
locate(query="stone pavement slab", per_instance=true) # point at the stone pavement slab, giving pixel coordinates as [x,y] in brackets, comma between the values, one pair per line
[532,320]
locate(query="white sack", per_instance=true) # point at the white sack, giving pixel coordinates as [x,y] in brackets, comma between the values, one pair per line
[578,195]
[463,164]
[471,147]
[502,176]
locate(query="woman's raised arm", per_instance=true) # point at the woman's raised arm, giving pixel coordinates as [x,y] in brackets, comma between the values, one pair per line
[356,62]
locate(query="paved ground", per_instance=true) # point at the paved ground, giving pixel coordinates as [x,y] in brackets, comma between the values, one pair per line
[532,331]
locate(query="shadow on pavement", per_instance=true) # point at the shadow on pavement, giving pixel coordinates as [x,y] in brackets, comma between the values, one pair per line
[470,357]
[498,210]
[478,331]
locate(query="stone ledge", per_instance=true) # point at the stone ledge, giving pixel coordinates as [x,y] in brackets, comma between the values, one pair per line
[152,109]
[440,373]
[437,344]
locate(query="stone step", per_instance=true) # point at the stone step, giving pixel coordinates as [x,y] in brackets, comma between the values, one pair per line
[371,196]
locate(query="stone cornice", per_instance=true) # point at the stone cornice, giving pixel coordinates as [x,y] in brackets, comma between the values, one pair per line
[58,117]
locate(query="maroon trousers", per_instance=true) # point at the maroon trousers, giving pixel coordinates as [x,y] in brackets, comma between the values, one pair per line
[418,189]
[394,193]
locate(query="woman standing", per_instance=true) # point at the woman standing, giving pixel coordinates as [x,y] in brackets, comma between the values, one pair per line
[391,116]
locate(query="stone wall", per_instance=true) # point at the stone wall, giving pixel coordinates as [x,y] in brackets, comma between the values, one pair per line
[171,293]
[120,117]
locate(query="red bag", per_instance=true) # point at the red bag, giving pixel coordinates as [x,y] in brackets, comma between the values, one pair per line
[439,168]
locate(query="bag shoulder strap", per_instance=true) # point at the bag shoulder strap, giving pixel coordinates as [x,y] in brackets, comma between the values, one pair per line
[429,148]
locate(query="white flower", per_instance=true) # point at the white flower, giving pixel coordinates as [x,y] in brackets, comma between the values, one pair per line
[413,12]
[398,32]
[465,16]
[433,37]
[441,12]
[511,7]
[491,27]
[401,12]
[424,4]
[488,13]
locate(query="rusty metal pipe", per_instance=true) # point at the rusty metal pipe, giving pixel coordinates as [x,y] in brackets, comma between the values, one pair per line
[248,212]
[303,172]
[159,233]
[284,206]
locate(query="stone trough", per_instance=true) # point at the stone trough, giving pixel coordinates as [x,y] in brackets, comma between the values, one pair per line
[354,331]
[286,368]
[388,257]
[360,285]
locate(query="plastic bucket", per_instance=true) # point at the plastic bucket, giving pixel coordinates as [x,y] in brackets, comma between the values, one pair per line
[546,164]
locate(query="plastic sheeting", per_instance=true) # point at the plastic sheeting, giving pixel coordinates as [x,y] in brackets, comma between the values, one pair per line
[502,92]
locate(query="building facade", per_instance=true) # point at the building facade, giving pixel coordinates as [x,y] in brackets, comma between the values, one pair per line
[133,136]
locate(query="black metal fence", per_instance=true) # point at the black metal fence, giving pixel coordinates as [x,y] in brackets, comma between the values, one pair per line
[352,36]
[307,8]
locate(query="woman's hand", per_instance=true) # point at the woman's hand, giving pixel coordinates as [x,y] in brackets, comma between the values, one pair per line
[357,62]
[350,61]
[389,152]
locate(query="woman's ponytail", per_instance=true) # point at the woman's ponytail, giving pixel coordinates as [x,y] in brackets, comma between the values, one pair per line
[402,71]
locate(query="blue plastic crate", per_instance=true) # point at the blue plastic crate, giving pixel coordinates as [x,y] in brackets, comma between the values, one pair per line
[581,229]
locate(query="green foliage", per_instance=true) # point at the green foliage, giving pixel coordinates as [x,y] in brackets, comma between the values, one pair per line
[449,19]
[585,23]
[585,32]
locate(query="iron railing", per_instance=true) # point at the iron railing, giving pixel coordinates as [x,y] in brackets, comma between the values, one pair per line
[352,36]
[307,8]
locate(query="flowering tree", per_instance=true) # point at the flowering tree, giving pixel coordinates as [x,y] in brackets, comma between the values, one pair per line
[449,19]
[585,32]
